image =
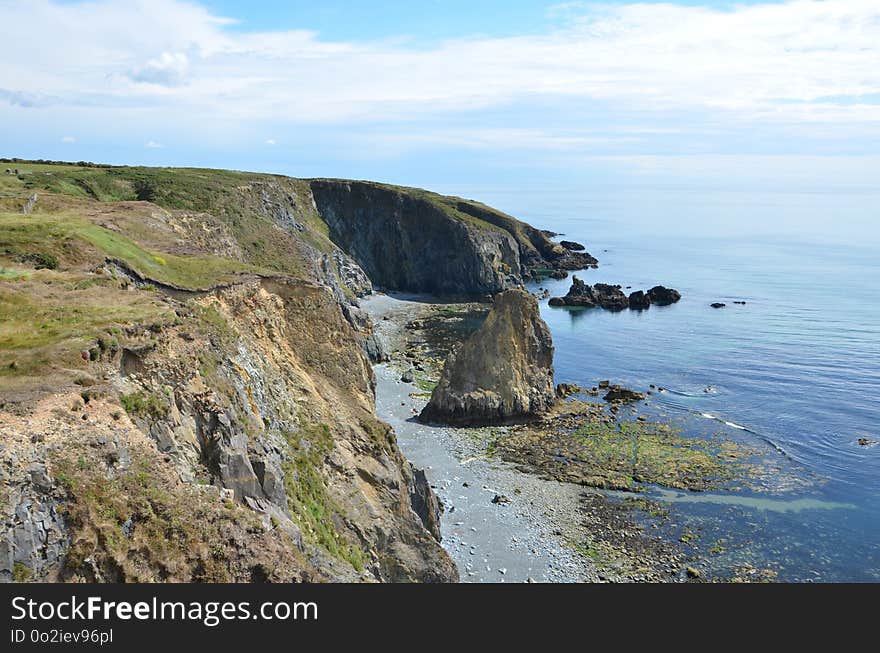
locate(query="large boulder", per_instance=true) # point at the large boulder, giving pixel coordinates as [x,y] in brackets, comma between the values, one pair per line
[503,372]
[639,300]
[610,297]
[580,294]
[663,296]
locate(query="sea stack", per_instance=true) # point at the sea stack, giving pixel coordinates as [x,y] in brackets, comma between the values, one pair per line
[502,373]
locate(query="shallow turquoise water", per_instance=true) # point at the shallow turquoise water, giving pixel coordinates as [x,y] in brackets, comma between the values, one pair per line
[796,371]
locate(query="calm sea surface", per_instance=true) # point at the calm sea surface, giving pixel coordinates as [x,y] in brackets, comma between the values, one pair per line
[795,372]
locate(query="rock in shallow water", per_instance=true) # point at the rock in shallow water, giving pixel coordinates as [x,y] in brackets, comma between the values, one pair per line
[663,296]
[612,298]
[619,394]
[639,300]
[503,372]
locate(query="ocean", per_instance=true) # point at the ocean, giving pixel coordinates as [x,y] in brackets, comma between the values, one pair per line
[793,373]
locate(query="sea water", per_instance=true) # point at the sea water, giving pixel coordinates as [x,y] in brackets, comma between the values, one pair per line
[794,372]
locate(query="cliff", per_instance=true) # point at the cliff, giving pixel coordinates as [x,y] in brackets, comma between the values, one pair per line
[503,372]
[411,239]
[185,388]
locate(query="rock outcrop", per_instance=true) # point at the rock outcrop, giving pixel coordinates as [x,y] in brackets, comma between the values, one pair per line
[503,372]
[663,296]
[612,297]
[414,240]
[639,300]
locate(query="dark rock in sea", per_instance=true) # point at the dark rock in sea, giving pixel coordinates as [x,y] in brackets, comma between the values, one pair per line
[866,442]
[619,394]
[571,245]
[549,234]
[408,376]
[567,389]
[718,305]
[503,372]
[605,384]
[558,274]
[610,297]
[663,296]
[580,294]
[500,498]
[639,300]
[741,303]
[564,259]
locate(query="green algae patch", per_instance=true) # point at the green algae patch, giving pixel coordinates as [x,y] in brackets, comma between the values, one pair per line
[623,455]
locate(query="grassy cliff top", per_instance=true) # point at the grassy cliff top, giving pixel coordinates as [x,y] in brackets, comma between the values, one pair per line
[219,192]
[89,254]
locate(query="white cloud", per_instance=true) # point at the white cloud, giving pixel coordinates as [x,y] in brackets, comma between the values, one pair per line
[798,63]
[168,69]
[153,145]
[68,139]
[271,141]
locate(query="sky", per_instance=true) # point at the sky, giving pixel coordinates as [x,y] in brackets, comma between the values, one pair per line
[746,94]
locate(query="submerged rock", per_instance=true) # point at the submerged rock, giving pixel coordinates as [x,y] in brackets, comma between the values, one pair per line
[718,305]
[619,394]
[503,372]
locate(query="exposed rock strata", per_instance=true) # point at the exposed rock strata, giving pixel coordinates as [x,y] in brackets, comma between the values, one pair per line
[407,239]
[503,372]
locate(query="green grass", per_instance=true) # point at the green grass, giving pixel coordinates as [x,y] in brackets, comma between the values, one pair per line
[307,497]
[48,317]
[142,404]
[29,322]
[44,240]
[21,573]
[173,534]
[233,197]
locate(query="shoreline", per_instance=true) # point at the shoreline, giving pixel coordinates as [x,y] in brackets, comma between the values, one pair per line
[501,524]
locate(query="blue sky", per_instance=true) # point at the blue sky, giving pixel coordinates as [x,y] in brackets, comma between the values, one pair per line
[444,92]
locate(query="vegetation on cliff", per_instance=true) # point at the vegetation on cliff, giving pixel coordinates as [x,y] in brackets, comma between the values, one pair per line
[185,393]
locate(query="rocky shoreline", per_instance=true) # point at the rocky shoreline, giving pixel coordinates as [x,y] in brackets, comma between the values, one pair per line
[503,522]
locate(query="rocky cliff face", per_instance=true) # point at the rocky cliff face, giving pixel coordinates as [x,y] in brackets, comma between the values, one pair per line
[198,406]
[406,242]
[410,239]
[245,447]
[185,390]
[503,372]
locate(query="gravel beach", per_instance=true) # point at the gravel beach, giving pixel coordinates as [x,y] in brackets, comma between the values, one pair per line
[526,534]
